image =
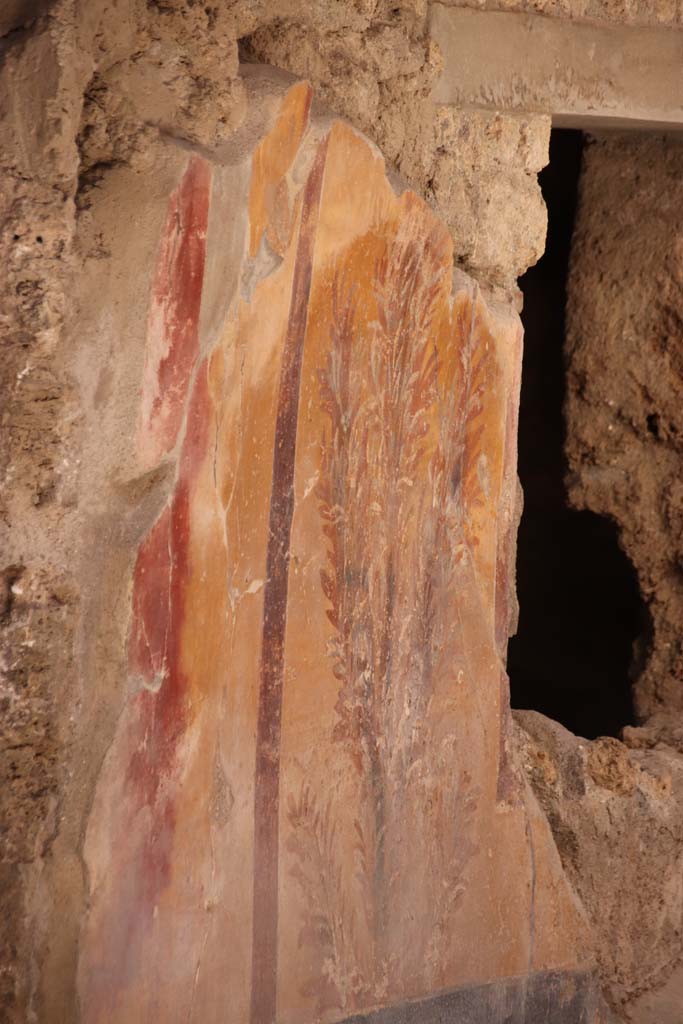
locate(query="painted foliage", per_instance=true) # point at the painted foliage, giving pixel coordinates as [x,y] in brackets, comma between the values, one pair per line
[300,814]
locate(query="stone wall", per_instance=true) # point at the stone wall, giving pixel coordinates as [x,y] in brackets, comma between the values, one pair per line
[615,807]
[624,380]
[616,817]
[138,185]
[96,113]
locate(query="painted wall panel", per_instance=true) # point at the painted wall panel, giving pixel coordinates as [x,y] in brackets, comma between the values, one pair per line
[310,808]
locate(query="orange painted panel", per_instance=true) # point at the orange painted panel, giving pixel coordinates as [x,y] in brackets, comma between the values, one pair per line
[310,808]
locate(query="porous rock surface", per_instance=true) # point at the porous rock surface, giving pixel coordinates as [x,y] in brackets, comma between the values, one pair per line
[617,818]
[625,382]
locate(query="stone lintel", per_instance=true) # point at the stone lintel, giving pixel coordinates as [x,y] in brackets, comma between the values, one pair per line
[584,75]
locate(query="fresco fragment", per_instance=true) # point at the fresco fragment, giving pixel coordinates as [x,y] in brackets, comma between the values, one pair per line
[308,810]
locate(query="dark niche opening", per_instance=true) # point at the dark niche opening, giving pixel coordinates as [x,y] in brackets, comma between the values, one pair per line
[580,606]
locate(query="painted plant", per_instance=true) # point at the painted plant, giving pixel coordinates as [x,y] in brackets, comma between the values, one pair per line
[394,472]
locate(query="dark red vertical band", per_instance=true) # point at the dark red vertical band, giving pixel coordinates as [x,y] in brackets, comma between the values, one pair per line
[267,776]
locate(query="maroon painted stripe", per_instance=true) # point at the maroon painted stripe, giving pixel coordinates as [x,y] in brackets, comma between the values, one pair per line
[176,300]
[267,777]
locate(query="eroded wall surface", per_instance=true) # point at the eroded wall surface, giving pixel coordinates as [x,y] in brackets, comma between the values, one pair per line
[616,811]
[309,807]
[624,381]
[615,807]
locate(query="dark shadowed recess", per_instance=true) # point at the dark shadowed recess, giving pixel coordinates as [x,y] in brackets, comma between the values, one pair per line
[580,605]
